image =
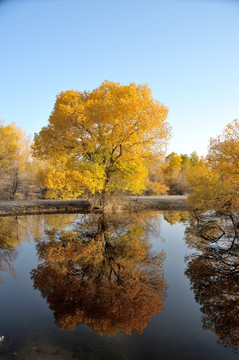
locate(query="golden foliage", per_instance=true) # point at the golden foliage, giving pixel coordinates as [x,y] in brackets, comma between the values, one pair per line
[155,187]
[173,162]
[100,140]
[205,186]
[154,182]
[175,171]
[15,166]
[215,182]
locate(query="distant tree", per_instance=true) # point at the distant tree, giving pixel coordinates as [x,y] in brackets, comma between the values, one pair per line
[14,160]
[185,161]
[174,176]
[175,171]
[194,158]
[173,163]
[155,183]
[99,141]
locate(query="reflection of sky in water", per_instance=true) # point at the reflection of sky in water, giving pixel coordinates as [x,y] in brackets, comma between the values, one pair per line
[175,333]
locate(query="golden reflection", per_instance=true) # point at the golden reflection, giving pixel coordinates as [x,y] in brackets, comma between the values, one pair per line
[8,243]
[103,274]
[173,217]
[17,229]
[214,273]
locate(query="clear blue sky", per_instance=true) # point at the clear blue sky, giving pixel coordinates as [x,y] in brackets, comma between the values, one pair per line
[186,51]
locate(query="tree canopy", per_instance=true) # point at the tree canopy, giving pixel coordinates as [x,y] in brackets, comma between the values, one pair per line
[215,182]
[99,141]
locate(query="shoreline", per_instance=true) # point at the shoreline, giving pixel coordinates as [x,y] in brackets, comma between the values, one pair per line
[130,203]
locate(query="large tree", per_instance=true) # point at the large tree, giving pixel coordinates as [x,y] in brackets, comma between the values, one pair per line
[99,141]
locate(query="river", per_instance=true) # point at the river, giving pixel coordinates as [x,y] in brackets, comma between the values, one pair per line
[127,286]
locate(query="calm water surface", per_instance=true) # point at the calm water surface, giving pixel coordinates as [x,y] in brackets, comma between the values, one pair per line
[111,288]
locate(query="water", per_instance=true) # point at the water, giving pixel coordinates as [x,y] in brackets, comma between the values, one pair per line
[131,304]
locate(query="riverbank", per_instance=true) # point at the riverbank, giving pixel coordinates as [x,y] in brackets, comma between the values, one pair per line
[130,203]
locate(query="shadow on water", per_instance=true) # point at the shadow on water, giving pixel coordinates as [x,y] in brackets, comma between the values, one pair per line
[213,271]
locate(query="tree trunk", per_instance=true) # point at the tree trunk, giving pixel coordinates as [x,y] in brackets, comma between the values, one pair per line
[15,184]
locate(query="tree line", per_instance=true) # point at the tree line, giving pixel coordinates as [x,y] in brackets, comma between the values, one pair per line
[25,177]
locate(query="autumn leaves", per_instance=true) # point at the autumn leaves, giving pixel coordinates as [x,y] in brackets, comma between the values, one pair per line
[100,141]
[114,138]
[215,179]
[111,138]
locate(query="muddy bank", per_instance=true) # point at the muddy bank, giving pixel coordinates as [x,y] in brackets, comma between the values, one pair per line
[131,203]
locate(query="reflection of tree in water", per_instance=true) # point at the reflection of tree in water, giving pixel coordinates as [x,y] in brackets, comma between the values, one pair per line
[173,217]
[8,243]
[214,273]
[16,229]
[13,231]
[104,275]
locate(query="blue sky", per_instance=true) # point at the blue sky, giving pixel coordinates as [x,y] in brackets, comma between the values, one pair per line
[186,51]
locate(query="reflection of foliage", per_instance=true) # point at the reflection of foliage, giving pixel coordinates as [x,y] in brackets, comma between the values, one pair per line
[8,242]
[12,233]
[214,274]
[39,223]
[173,217]
[15,230]
[108,279]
